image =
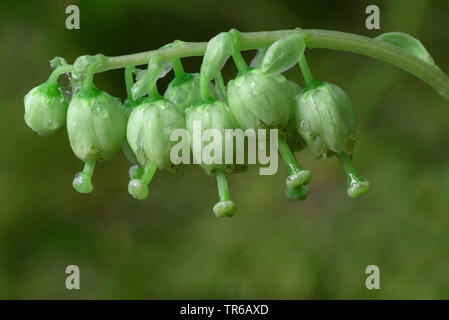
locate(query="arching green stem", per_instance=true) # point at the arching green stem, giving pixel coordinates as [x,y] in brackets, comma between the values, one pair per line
[296,175]
[324,39]
[53,78]
[240,63]
[225,207]
[357,184]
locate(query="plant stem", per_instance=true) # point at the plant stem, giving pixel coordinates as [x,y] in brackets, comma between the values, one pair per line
[288,156]
[89,167]
[222,184]
[357,185]
[178,69]
[90,72]
[53,78]
[314,39]
[347,164]
[129,80]
[240,63]
[153,92]
[306,73]
[430,74]
[204,89]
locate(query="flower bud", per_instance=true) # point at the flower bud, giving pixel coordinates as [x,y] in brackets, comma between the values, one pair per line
[260,100]
[283,54]
[325,119]
[148,132]
[218,50]
[213,115]
[265,101]
[408,43]
[45,109]
[96,124]
[186,92]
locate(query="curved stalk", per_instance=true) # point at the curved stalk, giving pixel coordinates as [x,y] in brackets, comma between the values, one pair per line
[90,72]
[129,80]
[314,39]
[380,50]
[53,78]
[178,69]
[305,70]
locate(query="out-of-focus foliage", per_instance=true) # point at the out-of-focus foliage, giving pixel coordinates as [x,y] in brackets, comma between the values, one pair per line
[171,245]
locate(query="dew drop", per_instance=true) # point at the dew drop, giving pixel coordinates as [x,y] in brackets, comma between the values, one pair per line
[101,112]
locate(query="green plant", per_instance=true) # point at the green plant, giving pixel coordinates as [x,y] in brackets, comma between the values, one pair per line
[319,117]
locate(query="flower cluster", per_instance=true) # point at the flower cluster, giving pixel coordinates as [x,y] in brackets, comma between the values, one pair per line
[319,117]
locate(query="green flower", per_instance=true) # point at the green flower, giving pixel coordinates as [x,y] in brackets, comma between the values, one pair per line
[186,92]
[96,127]
[212,115]
[45,108]
[148,133]
[95,124]
[260,100]
[149,129]
[325,119]
[266,101]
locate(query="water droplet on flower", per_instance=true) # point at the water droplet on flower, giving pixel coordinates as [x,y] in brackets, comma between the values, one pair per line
[101,111]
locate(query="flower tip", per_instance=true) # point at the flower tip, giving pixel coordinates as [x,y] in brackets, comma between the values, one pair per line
[135,172]
[225,209]
[82,183]
[45,109]
[299,178]
[358,188]
[138,189]
[297,194]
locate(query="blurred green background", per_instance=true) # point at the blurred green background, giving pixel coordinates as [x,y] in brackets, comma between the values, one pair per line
[171,245]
